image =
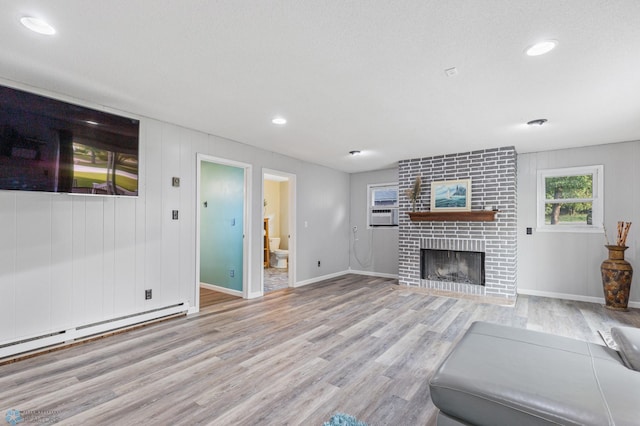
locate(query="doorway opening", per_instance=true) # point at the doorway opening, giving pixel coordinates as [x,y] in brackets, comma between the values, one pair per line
[278,189]
[222,255]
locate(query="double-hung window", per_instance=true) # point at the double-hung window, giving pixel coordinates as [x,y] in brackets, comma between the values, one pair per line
[571,199]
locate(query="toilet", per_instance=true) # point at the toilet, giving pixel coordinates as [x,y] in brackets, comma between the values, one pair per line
[277,257]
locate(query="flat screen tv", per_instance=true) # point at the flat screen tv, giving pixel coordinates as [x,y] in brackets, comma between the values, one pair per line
[54,146]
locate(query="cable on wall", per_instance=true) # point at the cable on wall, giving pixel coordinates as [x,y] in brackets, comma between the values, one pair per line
[367,262]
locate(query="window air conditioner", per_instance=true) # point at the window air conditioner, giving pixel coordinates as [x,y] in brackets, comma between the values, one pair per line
[383,217]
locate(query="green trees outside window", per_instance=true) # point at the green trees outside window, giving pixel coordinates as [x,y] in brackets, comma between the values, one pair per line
[569,199]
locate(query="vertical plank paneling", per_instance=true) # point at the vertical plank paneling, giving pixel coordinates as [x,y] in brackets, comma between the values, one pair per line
[153,205]
[94,250]
[141,227]
[69,261]
[78,257]
[567,263]
[125,257]
[61,262]
[33,262]
[171,141]
[7,265]
[108,256]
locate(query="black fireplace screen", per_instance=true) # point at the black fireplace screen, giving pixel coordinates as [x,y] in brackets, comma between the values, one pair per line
[452,266]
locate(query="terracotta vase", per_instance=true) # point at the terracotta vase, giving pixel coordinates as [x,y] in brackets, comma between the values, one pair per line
[616,279]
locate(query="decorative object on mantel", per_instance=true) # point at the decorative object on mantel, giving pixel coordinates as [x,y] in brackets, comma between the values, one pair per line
[617,272]
[451,195]
[470,216]
[414,193]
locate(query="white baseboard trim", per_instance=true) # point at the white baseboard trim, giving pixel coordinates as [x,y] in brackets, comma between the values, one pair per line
[255,295]
[80,332]
[222,289]
[321,278]
[373,274]
[576,297]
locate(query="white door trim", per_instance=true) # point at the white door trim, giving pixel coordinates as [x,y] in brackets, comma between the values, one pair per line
[292,222]
[246,244]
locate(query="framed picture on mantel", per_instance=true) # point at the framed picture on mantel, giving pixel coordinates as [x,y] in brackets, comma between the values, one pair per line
[451,195]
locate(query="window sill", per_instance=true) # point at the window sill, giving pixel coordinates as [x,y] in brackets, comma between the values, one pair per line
[572,229]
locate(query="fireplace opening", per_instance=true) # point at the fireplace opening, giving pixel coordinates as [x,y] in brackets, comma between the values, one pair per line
[465,267]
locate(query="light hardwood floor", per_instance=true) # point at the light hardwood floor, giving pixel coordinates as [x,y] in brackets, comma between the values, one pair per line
[359,345]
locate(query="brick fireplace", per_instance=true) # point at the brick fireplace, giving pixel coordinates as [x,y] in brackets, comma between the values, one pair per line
[493,175]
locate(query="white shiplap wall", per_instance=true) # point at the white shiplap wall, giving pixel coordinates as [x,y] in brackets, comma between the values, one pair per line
[70,260]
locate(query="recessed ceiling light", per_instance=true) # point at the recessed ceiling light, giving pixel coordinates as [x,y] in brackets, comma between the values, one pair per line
[355,152]
[539,122]
[37,25]
[279,120]
[541,48]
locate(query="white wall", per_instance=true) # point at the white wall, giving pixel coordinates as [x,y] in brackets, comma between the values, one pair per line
[567,265]
[284,215]
[376,248]
[67,261]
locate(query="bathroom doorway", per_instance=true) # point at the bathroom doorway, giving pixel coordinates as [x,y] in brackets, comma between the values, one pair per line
[278,189]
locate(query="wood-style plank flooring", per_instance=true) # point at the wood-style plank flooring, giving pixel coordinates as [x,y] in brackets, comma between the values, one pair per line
[354,344]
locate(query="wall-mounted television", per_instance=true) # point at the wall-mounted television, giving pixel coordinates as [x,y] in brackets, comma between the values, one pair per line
[54,146]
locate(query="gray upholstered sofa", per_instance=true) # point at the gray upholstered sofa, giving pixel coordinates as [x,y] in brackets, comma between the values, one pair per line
[499,375]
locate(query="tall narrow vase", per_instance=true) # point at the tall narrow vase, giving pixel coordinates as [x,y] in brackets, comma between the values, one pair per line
[616,279]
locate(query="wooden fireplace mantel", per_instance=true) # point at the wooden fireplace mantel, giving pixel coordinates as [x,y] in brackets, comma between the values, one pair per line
[471,216]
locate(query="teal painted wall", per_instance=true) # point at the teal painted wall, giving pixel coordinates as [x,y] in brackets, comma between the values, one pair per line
[221,225]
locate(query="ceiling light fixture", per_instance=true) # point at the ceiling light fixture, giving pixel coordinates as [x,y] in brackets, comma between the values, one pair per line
[541,48]
[37,25]
[539,122]
[279,121]
[355,152]
[450,72]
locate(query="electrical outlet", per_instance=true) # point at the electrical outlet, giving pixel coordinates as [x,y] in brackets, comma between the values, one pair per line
[318,263]
[147,294]
[174,214]
[529,231]
[232,273]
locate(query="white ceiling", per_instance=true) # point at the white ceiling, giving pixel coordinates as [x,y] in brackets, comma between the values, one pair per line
[366,75]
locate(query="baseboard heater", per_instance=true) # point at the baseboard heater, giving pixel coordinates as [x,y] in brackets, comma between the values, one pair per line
[87,330]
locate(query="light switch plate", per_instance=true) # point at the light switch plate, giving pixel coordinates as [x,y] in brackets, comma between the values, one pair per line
[174,214]
[175,181]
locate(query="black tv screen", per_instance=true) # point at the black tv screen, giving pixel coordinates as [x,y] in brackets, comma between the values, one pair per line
[54,146]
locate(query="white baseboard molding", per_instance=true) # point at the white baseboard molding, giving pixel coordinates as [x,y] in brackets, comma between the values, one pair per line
[222,289]
[34,343]
[576,297]
[373,274]
[255,295]
[321,278]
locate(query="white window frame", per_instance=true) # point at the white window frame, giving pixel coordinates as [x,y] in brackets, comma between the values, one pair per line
[597,201]
[372,187]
